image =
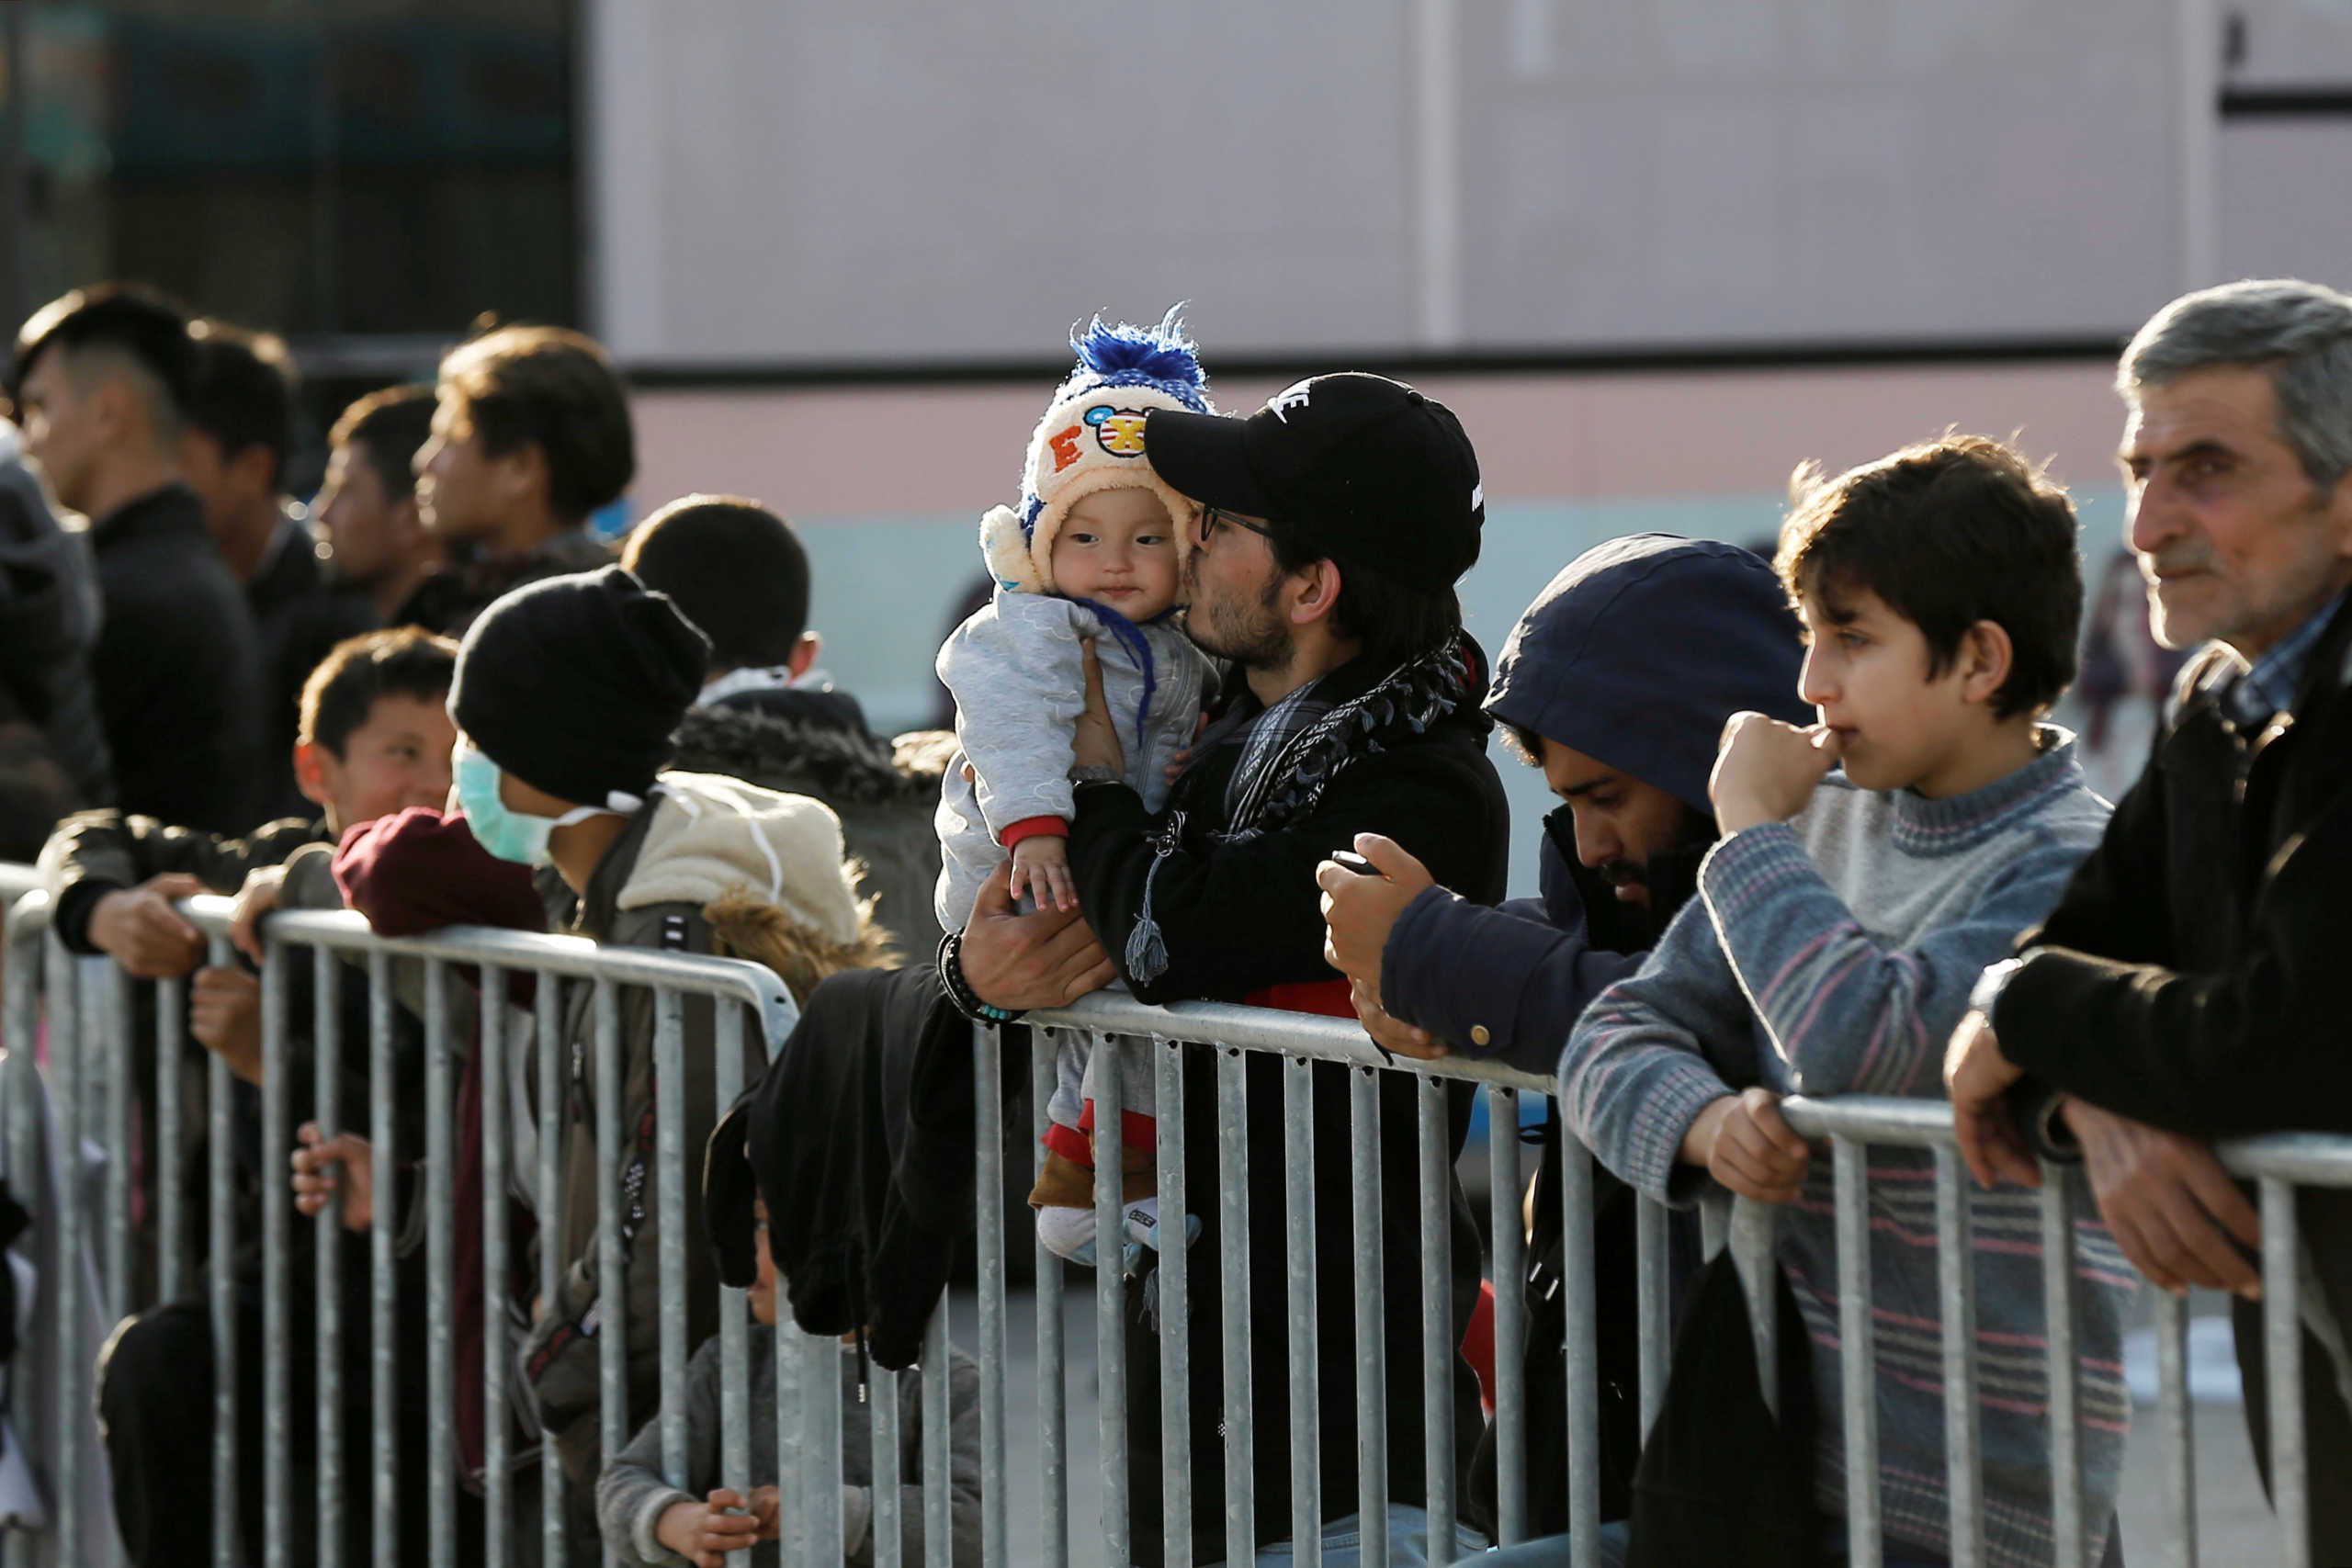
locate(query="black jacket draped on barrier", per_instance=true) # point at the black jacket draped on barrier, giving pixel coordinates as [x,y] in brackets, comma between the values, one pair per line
[2193,976]
[1237,920]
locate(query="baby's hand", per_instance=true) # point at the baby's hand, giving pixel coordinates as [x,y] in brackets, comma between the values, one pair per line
[1041,868]
[703,1533]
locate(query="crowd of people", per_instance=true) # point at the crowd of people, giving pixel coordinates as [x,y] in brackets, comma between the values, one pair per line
[1218,733]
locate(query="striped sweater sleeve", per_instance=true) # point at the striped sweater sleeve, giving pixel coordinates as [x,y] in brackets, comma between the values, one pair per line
[1642,1061]
[1849,1013]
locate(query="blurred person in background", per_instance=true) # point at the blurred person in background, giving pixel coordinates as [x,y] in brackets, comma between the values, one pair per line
[53,749]
[233,449]
[377,543]
[101,380]
[530,436]
[768,715]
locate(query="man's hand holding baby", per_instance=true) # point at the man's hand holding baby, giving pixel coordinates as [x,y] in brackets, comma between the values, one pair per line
[1766,770]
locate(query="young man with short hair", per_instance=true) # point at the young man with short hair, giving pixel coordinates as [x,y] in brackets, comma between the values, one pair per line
[377,543]
[1337,520]
[233,449]
[1870,863]
[530,436]
[767,714]
[101,380]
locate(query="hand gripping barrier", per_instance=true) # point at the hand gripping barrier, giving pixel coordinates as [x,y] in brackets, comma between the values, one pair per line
[130,1228]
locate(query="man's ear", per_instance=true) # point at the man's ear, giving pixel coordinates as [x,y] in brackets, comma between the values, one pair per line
[1315,592]
[256,470]
[314,772]
[803,654]
[523,476]
[1986,658]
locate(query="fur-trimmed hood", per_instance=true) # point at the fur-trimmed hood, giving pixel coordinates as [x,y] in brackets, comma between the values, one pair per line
[811,756]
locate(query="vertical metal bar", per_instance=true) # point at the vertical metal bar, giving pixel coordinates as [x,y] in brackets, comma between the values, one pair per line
[1305,1408]
[383,1314]
[1372,1317]
[988,1169]
[670,1199]
[612,1303]
[1511,1315]
[1957,1285]
[1652,1280]
[734,1346]
[120,1091]
[549,1000]
[888,1527]
[490,1070]
[1752,1229]
[1110,1298]
[791,1438]
[277,1222]
[1175,1305]
[1053,1410]
[2179,1464]
[326,1277]
[2058,1291]
[222,1244]
[66,1057]
[1439,1336]
[440,1272]
[823,1382]
[1857,1353]
[1581,1361]
[938,1522]
[1233,1270]
[171,1193]
[2283,1335]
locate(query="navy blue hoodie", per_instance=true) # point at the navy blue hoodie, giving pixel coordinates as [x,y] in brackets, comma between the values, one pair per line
[1634,655]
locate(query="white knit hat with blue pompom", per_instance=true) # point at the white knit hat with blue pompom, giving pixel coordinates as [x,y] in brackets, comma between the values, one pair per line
[1091,439]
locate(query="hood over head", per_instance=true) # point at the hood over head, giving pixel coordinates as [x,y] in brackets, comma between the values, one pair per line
[713,836]
[1640,648]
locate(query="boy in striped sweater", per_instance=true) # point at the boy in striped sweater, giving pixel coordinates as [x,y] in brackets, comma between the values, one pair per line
[1872,864]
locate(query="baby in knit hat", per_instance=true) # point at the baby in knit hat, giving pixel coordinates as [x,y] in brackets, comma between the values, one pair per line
[1096,552]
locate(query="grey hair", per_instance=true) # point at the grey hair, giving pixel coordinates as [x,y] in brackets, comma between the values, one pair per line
[2300,332]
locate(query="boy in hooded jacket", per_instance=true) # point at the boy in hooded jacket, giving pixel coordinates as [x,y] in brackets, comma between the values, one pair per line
[1094,556]
[566,694]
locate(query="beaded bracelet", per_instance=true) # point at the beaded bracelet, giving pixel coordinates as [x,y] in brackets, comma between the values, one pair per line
[960,994]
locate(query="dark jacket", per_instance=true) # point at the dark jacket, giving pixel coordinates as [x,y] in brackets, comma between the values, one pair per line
[297,618]
[49,625]
[2193,976]
[1587,666]
[1238,919]
[177,666]
[448,600]
[859,1138]
[98,852]
[816,743]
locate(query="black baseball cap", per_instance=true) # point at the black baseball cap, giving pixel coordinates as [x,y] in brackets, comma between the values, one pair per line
[1361,467]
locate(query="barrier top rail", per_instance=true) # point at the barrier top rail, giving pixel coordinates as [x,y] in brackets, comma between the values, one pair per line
[1309,1035]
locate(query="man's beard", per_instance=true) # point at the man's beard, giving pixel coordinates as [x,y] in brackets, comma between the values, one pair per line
[1250,635]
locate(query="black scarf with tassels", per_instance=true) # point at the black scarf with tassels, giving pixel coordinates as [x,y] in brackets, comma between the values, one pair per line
[1291,752]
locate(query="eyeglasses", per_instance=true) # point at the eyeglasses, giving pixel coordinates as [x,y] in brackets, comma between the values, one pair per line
[1213,515]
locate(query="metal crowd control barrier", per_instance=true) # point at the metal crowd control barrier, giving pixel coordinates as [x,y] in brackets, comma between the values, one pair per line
[87,1014]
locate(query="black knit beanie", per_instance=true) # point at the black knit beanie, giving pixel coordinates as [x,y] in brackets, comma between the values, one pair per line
[573,684]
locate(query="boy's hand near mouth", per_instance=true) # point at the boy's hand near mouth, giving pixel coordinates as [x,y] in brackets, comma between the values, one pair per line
[1766,770]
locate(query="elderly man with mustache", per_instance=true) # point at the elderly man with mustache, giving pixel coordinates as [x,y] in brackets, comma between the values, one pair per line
[2191,984]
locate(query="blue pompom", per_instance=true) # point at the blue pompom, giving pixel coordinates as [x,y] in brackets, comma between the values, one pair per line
[1126,355]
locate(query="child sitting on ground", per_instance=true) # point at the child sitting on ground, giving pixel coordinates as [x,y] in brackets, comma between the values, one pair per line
[1096,554]
[1871,865]
[645,1520]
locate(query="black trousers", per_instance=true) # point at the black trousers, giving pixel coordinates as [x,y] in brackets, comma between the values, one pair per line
[155,1393]
[2327,1433]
